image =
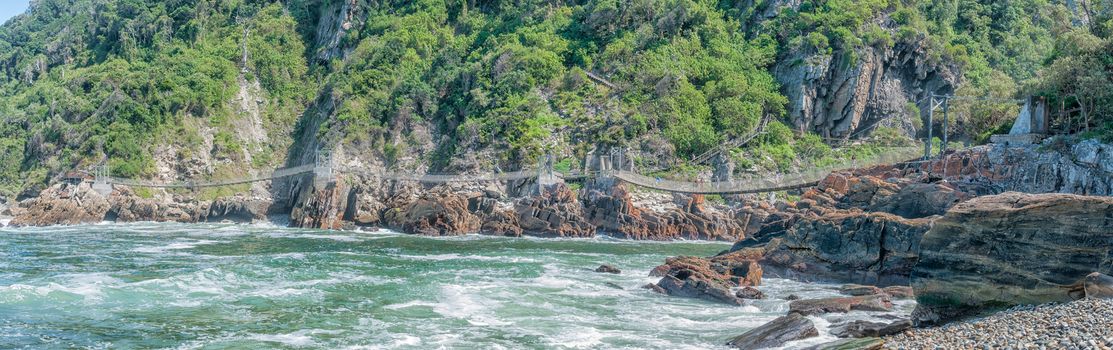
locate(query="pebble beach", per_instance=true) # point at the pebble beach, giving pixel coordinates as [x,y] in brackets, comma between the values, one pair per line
[1081,324]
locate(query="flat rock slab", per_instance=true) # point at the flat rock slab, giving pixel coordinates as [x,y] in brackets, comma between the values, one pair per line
[776,333]
[862,328]
[880,302]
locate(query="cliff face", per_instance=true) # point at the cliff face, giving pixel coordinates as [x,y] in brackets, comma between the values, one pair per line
[841,94]
[1054,166]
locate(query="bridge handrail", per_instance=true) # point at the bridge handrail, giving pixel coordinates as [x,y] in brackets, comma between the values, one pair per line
[768,182]
[756,183]
[278,173]
[444,178]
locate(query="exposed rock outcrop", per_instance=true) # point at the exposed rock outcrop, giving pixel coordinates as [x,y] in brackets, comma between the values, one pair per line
[616,215]
[863,328]
[321,206]
[839,94]
[607,269]
[554,213]
[1056,165]
[880,302]
[776,333]
[849,246]
[434,214]
[62,204]
[708,279]
[995,251]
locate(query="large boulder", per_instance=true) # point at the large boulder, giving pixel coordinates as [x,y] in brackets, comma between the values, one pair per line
[435,214]
[880,302]
[995,251]
[708,278]
[1098,285]
[554,213]
[62,204]
[847,246]
[776,333]
[863,328]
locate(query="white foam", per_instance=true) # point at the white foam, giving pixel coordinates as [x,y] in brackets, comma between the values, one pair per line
[335,237]
[89,287]
[172,246]
[459,302]
[407,304]
[289,339]
[454,256]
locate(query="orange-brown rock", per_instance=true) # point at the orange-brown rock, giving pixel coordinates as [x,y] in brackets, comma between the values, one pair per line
[616,215]
[709,278]
[434,214]
[554,213]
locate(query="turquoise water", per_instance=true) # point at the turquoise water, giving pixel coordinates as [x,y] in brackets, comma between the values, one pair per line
[237,286]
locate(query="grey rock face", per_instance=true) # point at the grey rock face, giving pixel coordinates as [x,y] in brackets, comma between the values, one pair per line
[840,94]
[880,302]
[995,251]
[851,246]
[776,333]
[862,328]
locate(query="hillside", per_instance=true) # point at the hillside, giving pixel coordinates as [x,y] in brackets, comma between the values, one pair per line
[209,89]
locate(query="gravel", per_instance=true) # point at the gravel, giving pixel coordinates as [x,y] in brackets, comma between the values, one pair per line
[1081,324]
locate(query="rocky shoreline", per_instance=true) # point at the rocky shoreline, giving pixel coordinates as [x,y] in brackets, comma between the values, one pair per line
[968,232]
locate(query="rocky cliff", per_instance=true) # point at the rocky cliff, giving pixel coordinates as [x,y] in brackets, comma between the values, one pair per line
[846,93]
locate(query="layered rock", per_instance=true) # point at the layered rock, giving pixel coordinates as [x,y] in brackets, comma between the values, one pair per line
[321,206]
[995,251]
[554,213]
[840,94]
[708,278]
[70,204]
[880,302]
[849,246]
[616,215]
[434,214]
[776,333]
[863,328]
[62,204]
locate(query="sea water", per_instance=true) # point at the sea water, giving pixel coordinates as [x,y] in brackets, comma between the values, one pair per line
[225,286]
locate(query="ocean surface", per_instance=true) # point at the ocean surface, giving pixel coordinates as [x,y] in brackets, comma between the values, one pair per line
[223,286]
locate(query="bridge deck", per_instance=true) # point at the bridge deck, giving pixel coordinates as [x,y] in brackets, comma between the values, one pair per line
[754,184]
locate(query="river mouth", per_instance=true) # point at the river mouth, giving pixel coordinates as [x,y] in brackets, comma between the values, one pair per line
[150,285]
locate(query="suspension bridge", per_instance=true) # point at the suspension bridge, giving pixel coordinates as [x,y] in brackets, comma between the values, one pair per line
[324,169]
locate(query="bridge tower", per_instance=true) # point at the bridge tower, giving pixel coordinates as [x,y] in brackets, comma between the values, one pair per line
[101,182]
[322,168]
[545,175]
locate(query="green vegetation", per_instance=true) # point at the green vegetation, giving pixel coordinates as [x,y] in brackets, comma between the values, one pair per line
[121,81]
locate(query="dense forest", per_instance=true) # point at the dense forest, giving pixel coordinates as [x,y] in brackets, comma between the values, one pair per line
[214,88]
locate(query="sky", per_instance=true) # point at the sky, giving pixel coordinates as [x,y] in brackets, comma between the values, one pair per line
[10,8]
